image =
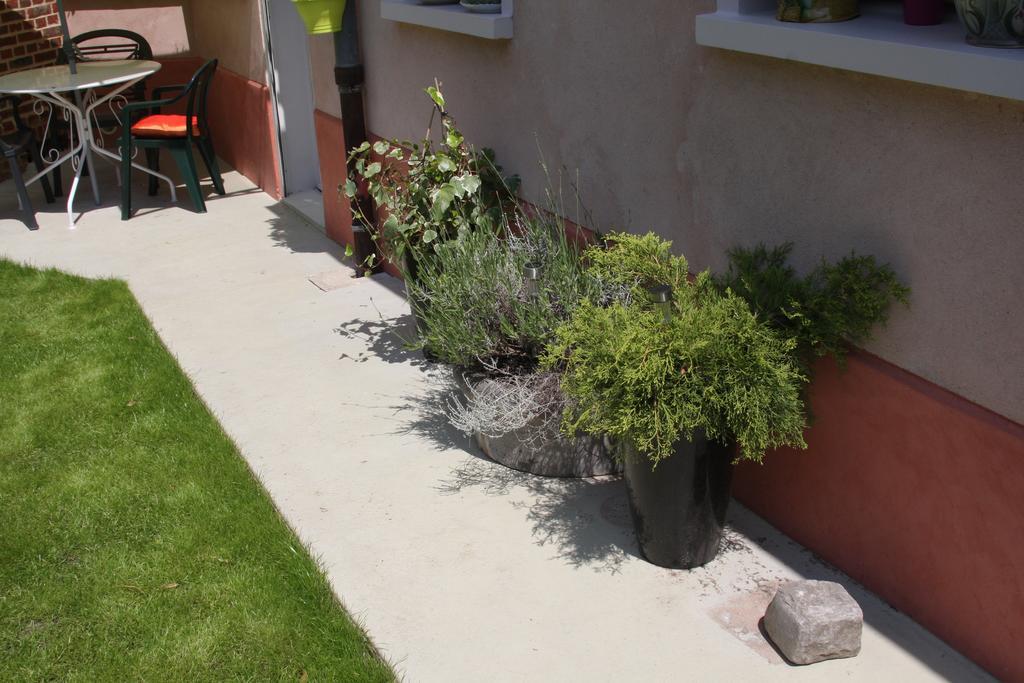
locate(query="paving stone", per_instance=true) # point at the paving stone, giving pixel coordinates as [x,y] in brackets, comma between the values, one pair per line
[811,621]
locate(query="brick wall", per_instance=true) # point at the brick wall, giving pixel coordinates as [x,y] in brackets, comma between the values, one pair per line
[29,36]
[29,33]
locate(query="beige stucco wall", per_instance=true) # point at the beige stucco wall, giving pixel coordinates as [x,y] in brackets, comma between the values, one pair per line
[232,31]
[164,23]
[321,60]
[714,148]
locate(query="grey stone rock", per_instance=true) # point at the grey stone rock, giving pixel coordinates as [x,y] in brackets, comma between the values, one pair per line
[811,621]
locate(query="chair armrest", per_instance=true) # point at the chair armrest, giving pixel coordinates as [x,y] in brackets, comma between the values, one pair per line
[161,91]
[158,92]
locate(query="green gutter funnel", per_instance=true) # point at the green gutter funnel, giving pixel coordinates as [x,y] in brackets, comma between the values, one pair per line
[321,16]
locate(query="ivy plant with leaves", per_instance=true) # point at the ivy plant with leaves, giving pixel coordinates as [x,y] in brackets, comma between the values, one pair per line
[427,192]
[834,305]
[712,365]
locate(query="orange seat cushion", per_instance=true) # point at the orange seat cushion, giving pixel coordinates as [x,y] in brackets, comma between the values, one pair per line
[164,126]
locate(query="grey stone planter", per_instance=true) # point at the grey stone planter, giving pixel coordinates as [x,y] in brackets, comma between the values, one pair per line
[540,448]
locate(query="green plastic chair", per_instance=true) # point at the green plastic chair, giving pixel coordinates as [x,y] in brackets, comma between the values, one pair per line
[156,131]
[23,142]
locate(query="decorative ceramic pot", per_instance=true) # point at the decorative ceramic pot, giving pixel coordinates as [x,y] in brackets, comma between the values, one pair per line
[817,10]
[321,16]
[679,507]
[993,23]
[539,447]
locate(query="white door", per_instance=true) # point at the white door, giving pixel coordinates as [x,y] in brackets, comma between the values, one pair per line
[293,89]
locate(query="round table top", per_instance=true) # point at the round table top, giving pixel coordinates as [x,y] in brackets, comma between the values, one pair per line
[94,74]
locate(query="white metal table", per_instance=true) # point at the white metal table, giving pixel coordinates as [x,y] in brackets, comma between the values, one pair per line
[75,94]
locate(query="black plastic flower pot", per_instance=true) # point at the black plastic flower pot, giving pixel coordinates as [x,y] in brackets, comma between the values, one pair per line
[679,507]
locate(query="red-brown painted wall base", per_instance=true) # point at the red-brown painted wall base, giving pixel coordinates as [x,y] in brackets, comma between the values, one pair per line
[330,143]
[241,120]
[916,493]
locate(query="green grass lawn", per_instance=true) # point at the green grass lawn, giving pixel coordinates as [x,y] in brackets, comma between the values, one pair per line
[134,542]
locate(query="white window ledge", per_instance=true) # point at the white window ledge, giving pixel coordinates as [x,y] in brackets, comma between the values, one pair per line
[878,42]
[451,18]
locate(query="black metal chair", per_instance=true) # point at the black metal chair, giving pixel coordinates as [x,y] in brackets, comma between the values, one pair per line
[107,43]
[23,142]
[104,43]
[174,132]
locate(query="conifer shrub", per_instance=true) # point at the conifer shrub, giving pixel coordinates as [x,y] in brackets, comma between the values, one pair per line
[629,265]
[824,311]
[631,374]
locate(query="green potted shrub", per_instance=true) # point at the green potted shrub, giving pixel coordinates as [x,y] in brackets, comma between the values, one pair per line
[426,193]
[824,311]
[321,16]
[684,385]
[492,300]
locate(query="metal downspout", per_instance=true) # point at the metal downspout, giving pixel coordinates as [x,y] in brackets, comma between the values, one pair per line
[348,74]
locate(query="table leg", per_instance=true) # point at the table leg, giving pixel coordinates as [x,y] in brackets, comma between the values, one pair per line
[93,147]
[79,153]
[52,165]
[85,126]
[99,132]
[81,156]
[140,167]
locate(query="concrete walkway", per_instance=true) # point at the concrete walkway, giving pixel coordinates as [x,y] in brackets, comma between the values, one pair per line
[460,569]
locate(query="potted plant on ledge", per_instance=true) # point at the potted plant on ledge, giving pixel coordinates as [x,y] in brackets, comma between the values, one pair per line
[684,384]
[993,23]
